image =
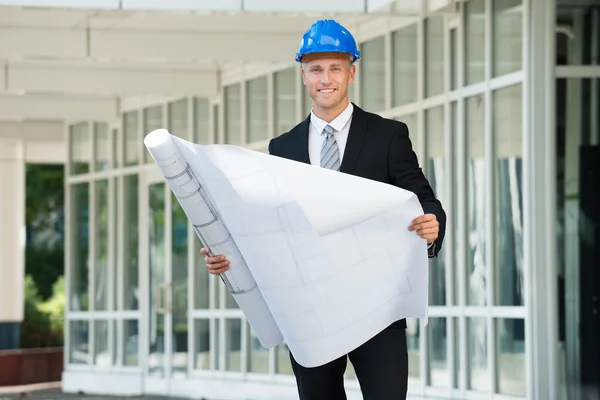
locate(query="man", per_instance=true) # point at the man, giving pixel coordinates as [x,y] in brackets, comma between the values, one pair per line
[339,135]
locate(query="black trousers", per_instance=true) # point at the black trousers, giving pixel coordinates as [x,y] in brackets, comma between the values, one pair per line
[381,367]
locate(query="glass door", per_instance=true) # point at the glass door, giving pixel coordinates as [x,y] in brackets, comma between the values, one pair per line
[165,259]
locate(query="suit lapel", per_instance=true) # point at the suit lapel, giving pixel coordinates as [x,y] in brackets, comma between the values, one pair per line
[356,137]
[300,142]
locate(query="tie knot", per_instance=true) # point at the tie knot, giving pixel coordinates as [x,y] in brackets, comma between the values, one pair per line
[328,130]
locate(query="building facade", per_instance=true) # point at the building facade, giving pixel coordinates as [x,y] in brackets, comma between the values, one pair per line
[502,103]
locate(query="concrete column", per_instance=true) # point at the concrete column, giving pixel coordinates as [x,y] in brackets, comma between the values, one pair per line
[12,230]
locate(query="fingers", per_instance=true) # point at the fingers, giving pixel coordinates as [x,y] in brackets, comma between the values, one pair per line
[215,264]
[426,226]
[424,218]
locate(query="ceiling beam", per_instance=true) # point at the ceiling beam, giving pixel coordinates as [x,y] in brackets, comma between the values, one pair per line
[43,140]
[142,44]
[110,78]
[61,107]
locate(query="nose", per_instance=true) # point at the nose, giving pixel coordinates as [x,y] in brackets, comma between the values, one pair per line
[325,77]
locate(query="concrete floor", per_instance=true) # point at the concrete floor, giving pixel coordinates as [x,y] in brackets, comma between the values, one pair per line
[57,394]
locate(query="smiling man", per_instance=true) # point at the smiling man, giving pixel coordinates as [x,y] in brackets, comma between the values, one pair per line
[340,136]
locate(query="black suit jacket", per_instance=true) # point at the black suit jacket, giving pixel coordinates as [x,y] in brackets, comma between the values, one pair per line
[377,148]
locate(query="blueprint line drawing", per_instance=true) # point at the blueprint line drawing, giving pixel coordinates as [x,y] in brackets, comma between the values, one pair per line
[318,258]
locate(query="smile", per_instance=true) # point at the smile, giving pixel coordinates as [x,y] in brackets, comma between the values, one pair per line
[326,91]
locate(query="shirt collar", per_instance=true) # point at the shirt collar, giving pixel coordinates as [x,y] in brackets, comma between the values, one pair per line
[338,123]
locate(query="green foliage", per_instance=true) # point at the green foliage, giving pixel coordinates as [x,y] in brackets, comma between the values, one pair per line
[45,265]
[44,197]
[43,323]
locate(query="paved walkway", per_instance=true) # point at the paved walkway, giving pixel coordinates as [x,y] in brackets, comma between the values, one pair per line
[52,391]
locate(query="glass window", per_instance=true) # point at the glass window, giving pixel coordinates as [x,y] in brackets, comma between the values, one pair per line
[102,357]
[475,41]
[436,174]
[413,333]
[507,36]
[130,249]
[510,347]
[79,338]
[372,75]
[178,119]
[285,100]
[434,56]
[258,357]
[131,136]
[454,56]
[202,122]
[282,360]
[153,119]
[404,75]
[233,104]
[438,356]
[131,340]
[80,148]
[102,155]
[477,360]
[80,231]
[179,289]
[102,262]
[509,196]
[476,202]
[233,344]
[203,351]
[202,282]
[257,105]
[156,271]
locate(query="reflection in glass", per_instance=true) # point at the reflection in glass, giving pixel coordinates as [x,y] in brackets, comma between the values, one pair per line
[282,360]
[102,263]
[413,333]
[202,123]
[80,148]
[510,347]
[507,36]
[257,105]
[80,230]
[233,104]
[79,351]
[285,100]
[434,55]
[131,340]
[131,135]
[203,350]
[233,344]
[475,41]
[157,292]
[476,203]
[130,249]
[478,358]
[372,75]
[258,357]
[438,358]
[180,289]
[102,152]
[436,169]
[102,357]
[178,118]
[404,50]
[153,119]
[509,196]
[454,57]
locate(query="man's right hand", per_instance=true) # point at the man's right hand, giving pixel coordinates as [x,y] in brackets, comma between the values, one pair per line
[216,265]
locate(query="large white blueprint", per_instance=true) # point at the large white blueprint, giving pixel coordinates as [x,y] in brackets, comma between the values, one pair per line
[319,258]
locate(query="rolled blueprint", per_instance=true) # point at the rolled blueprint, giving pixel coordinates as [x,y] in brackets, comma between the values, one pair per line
[320,259]
[206,222]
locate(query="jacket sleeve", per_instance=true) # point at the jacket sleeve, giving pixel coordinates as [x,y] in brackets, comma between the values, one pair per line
[405,172]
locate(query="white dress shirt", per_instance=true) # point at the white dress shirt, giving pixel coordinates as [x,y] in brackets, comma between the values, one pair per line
[341,124]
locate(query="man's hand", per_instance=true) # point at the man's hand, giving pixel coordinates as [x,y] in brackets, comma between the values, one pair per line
[216,265]
[427,227]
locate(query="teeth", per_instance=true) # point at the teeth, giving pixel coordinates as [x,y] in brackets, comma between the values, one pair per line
[326,90]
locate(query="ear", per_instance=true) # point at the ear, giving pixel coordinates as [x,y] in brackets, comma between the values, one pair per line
[352,73]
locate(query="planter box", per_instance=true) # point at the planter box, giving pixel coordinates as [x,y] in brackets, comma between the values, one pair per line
[27,366]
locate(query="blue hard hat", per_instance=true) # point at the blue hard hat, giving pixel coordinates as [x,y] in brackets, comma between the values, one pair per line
[327,36]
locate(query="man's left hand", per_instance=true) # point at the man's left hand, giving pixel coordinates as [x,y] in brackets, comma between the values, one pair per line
[427,227]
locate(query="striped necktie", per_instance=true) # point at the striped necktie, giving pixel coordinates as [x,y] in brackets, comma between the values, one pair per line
[330,153]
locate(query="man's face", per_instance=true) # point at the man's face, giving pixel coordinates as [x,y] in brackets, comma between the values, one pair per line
[327,76]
